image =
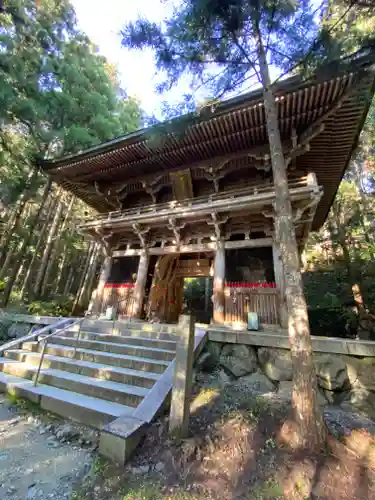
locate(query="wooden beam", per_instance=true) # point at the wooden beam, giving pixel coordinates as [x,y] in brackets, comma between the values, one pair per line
[203,247]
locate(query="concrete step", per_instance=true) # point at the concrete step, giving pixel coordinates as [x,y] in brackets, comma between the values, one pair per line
[103,389]
[97,370]
[107,358]
[115,348]
[169,345]
[84,409]
[129,332]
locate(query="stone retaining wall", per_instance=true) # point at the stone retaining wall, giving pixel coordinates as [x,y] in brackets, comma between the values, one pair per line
[345,380]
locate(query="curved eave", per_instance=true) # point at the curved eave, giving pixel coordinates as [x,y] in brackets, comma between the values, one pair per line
[237,125]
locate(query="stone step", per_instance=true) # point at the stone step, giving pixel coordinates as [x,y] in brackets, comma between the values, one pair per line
[85,409]
[115,348]
[97,370]
[130,332]
[169,345]
[107,358]
[103,389]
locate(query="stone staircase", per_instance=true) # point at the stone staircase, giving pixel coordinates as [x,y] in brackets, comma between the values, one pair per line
[114,382]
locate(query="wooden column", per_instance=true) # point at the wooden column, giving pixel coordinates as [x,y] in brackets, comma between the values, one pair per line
[219,283]
[278,269]
[140,284]
[103,278]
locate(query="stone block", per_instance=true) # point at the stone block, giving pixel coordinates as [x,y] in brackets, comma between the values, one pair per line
[238,359]
[331,372]
[276,363]
[119,439]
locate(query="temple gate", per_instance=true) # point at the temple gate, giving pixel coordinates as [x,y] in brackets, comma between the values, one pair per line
[209,195]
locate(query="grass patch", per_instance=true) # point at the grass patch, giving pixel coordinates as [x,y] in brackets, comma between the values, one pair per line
[145,492]
[99,465]
[22,403]
[269,490]
[78,495]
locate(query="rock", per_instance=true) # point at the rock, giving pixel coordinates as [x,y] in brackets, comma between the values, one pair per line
[239,359]
[332,373]
[89,437]
[159,467]
[360,399]
[257,382]
[285,390]
[329,396]
[17,330]
[66,432]
[276,363]
[210,358]
[361,372]
[141,470]
[342,421]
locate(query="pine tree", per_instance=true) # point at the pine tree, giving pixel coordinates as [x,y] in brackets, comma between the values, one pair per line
[225,45]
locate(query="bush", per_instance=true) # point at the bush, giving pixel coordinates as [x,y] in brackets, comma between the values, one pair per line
[56,307]
[333,322]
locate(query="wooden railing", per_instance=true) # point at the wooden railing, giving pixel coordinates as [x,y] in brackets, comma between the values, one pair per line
[307,181]
[262,300]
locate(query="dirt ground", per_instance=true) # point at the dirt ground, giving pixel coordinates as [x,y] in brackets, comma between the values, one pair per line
[34,462]
[233,452]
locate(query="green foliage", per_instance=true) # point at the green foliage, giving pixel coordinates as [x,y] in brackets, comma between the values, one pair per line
[57,307]
[57,96]
[216,44]
[54,86]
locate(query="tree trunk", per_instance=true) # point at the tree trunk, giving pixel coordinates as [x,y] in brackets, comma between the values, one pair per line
[309,430]
[84,297]
[61,271]
[364,213]
[22,251]
[16,216]
[56,246]
[354,284]
[52,203]
[48,247]
[84,277]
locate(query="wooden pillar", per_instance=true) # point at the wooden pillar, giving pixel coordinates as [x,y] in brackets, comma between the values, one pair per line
[278,269]
[140,284]
[103,278]
[219,283]
[183,378]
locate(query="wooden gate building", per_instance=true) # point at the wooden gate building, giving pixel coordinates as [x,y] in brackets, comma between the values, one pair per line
[201,203]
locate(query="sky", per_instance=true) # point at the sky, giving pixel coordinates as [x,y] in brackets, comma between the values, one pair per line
[102,22]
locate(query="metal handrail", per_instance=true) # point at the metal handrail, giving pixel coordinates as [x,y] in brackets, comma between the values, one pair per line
[67,322]
[31,336]
[45,342]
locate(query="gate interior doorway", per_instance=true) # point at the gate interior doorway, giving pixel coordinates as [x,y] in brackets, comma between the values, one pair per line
[197,298]
[167,293]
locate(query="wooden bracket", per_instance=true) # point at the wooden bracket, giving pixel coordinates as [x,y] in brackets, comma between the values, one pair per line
[175,227]
[104,241]
[301,144]
[315,198]
[217,223]
[152,187]
[141,232]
